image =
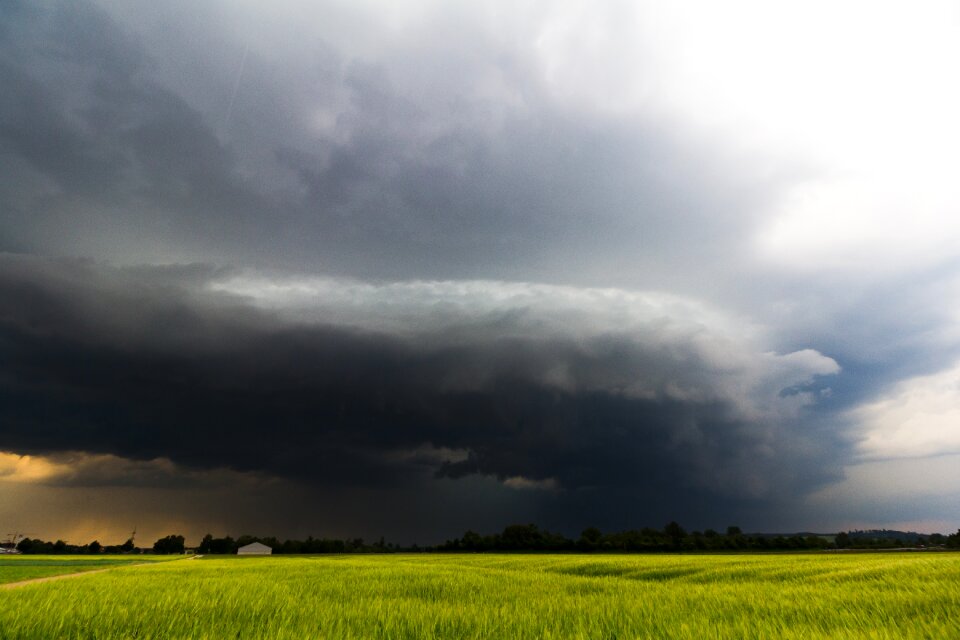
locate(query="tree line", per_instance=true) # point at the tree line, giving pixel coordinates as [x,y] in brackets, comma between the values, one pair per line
[674,538]
[529,537]
[37,546]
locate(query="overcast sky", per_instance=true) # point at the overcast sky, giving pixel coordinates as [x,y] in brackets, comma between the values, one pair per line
[403,269]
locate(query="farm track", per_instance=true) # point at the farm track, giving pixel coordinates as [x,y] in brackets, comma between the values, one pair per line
[63,576]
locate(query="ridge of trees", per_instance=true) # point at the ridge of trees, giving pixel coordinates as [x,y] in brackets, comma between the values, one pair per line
[674,538]
[37,546]
[529,537]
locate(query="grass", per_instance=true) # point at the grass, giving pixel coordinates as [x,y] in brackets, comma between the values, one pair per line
[502,596]
[15,568]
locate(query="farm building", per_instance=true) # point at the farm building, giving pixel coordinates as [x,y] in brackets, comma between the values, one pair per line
[255,549]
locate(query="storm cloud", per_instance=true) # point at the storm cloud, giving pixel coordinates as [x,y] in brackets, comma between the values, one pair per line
[353,166]
[150,362]
[586,264]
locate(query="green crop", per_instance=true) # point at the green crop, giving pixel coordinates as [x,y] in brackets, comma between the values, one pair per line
[15,568]
[912,595]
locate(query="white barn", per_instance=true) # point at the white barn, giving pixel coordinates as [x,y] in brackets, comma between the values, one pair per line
[254,549]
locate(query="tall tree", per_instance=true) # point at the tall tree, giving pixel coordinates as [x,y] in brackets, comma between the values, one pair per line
[169,544]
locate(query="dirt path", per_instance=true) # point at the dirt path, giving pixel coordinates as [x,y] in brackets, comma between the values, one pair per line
[63,576]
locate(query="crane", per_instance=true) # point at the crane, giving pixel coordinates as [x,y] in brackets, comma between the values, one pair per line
[10,545]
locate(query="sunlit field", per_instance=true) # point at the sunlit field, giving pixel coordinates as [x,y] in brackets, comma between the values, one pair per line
[501,596]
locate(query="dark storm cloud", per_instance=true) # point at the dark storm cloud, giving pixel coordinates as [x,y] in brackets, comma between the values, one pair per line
[98,153]
[354,166]
[457,145]
[147,363]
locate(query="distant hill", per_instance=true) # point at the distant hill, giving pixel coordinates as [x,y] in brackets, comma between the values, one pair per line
[905,536]
[869,534]
[801,534]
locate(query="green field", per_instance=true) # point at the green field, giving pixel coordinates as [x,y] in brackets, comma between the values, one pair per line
[891,595]
[15,568]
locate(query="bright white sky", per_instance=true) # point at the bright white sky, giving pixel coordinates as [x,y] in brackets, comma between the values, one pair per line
[860,95]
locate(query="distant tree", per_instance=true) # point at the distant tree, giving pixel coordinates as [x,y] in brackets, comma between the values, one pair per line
[842,540]
[169,544]
[206,544]
[127,546]
[28,545]
[94,547]
[815,542]
[225,545]
[591,536]
[522,536]
[696,541]
[675,532]
[734,531]
[472,541]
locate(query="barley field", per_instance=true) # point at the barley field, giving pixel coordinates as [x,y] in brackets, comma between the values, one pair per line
[15,568]
[887,595]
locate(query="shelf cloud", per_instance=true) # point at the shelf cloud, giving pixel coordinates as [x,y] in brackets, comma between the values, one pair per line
[522,383]
[573,263]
